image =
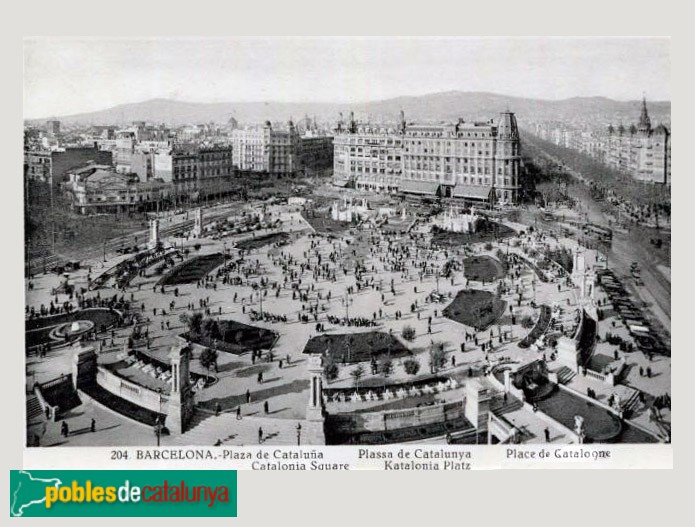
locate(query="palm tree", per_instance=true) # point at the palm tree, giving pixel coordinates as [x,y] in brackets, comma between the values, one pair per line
[357,374]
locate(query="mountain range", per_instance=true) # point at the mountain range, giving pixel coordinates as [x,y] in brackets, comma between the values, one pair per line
[445,106]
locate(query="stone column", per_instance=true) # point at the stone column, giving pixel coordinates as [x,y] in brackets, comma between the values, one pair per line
[84,366]
[198,223]
[180,407]
[313,431]
[477,406]
[154,234]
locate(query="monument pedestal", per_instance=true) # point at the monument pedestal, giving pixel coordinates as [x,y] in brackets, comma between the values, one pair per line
[84,365]
[180,406]
[315,413]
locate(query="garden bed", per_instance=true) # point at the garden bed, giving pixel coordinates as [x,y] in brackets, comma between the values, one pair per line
[192,270]
[476,308]
[482,268]
[234,337]
[539,329]
[488,231]
[262,241]
[349,348]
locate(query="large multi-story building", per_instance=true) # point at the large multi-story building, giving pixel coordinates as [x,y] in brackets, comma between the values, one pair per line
[642,151]
[368,157]
[639,150]
[53,166]
[100,189]
[53,127]
[281,152]
[477,161]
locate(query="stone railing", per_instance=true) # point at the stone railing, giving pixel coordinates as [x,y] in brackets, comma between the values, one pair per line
[52,410]
[396,419]
[504,431]
[144,397]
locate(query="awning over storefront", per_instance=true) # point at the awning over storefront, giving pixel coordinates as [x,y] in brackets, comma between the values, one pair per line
[472,192]
[419,187]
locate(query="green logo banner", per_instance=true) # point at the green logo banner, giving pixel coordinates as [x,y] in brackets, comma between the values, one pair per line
[123,493]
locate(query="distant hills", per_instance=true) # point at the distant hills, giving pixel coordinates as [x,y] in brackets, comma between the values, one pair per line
[446,106]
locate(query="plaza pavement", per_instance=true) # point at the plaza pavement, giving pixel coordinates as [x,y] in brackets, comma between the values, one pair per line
[286,389]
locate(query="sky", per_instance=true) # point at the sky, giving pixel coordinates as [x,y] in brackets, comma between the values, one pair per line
[65,76]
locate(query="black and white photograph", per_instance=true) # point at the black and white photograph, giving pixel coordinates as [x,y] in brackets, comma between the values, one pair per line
[347,241]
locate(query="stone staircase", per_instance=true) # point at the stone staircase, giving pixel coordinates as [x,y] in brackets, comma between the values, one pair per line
[631,404]
[565,375]
[207,429]
[499,407]
[33,407]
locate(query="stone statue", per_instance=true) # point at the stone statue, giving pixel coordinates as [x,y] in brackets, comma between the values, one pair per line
[579,425]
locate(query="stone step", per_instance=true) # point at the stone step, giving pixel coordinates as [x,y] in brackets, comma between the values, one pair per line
[207,429]
[33,407]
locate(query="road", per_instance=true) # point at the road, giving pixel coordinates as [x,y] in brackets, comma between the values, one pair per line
[630,246]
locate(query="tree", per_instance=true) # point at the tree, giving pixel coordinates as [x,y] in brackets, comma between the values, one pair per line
[386,367]
[408,333]
[211,329]
[194,323]
[357,374]
[411,366]
[208,359]
[437,357]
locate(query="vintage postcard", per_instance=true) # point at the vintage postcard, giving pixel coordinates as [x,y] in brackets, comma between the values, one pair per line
[396,245]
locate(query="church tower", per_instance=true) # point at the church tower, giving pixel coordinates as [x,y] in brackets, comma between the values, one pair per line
[645,125]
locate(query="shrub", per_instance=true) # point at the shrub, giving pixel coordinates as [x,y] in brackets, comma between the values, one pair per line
[386,367]
[411,366]
[408,333]
[527,322]
[330,371]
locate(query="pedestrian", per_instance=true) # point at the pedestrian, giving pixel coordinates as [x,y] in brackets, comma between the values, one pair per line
[93,425]
[265,407]
[453,361]
[64,429]
[238,412]
[218,409]
[248,396]
[260,435]
[547,435]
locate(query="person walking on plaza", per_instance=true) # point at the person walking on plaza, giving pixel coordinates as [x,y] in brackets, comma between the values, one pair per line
[248,396]
[64,429]
[260,435]
[547,435]
[238,412]
[218,409]
[93,425]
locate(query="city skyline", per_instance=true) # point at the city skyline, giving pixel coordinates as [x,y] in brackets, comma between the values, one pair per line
[106,72]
